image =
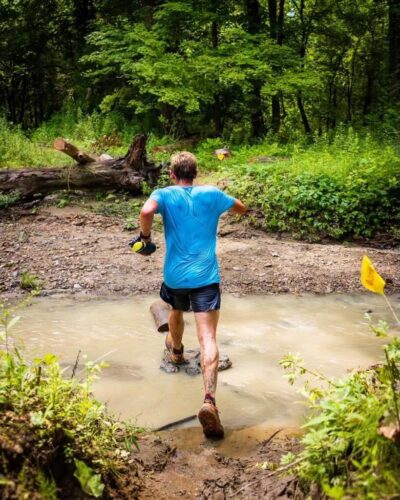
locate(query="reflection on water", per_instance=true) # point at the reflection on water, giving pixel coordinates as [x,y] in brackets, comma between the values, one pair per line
[329,331]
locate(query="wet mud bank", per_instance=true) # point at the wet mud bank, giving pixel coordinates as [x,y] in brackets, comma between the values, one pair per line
[246,464]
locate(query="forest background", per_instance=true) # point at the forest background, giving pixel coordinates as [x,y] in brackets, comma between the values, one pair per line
[312,83]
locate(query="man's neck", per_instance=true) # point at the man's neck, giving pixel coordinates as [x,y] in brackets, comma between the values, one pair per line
[184,183]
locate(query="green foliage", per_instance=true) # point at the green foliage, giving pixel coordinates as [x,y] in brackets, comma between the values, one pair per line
[64,201]
[346,188]
[50,423]
[201,67]
[178,78]
[344,452]
[95,132]
[46,486]
[119,206]
[88,479]
[8,199]
[29,281]
[16,150]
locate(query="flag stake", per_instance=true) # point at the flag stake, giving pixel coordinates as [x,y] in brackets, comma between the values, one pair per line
[391,308]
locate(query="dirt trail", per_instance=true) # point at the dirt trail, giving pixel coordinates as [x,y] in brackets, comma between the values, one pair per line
[76,251]
[182,464]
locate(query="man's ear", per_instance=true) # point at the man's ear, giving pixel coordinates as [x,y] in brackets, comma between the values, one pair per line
[173,176]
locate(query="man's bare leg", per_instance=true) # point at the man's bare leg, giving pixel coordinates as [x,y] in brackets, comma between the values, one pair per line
[173,341]
[176,327]
[206,323]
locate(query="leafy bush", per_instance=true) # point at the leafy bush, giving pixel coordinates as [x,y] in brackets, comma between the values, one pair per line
[100,132]
[345,452]
[8,199]
[339,190]
[52,430]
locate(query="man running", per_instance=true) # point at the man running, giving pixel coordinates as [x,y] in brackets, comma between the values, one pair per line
[191,277]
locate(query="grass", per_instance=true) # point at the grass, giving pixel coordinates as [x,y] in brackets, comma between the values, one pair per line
[29,281]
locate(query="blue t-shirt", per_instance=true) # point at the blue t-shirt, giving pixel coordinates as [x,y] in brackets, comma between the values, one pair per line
[190,216]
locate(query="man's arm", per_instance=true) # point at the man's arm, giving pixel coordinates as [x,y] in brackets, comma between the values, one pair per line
[146,217]
[238,207]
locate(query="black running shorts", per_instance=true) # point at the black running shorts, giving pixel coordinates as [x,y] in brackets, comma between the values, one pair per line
[203,299]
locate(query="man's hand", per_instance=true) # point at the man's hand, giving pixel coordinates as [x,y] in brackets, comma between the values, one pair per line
[238,207]
[143,245]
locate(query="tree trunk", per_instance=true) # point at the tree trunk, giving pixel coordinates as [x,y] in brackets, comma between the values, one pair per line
[304,119]
[273,18]
[305,32]
[254,26]
[368,93]
[217,113]
[128,172]
[276,114]
[394,49]
[276,19]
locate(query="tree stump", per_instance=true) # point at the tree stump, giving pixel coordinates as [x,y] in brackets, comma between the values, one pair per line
[160,312]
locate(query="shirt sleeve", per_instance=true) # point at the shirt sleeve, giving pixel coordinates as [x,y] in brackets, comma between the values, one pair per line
[157,196]
[224,202]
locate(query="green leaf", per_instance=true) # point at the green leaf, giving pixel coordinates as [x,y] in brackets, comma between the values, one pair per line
[37,418]
[90,481]
[336,492]
[13,321]
[49,359]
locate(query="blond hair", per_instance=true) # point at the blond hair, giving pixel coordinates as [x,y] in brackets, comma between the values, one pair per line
[184,165]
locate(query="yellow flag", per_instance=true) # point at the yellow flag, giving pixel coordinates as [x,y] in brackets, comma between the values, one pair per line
[220,156]
[370,278]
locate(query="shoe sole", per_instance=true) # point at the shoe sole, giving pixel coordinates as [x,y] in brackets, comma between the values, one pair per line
[211,426]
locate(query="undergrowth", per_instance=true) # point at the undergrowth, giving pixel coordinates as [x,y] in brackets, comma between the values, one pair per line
[345,188]
[29,281]
[55,438]
[7,200]
[342,185]
[348,451]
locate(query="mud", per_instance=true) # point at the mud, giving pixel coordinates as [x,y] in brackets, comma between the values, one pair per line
[245,465]
[74,251]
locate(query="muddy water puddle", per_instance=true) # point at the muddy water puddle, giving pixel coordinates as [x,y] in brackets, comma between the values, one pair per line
[330,333]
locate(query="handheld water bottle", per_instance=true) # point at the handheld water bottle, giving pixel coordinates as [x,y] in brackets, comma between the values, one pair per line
[142,247]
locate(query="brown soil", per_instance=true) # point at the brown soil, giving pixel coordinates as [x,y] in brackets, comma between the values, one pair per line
[183,464]
[76,251]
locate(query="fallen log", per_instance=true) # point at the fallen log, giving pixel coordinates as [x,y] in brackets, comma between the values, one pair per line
[62,145]
[160,312]
[128,172]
